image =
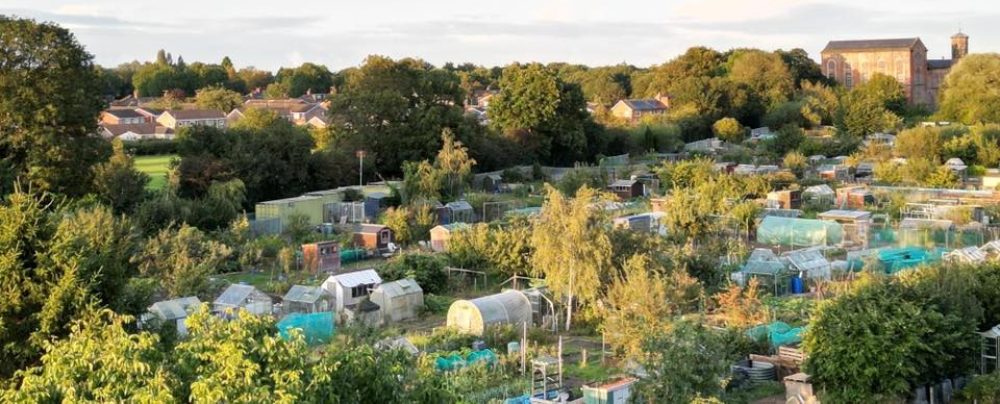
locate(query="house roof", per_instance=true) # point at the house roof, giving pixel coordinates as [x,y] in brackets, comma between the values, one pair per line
[235,295]
[174,309]
[137,128]
[872,44]
[352,279]
[401,287]
[645,104]
[304,294]
[123,113]
[623,183]
[939,64]
[194,114]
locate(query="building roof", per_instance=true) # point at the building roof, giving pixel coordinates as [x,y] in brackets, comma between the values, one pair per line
[194,114]
[459,205]
[872,44]
[939,64]
[137,128]
[235,295]
[352,279]
[844,214]
[645,104]
[453,226]
[821,189]
[401,287]
[174,309]
[304,294]
[623,183]
[370,228]
[302,198]
[123,113]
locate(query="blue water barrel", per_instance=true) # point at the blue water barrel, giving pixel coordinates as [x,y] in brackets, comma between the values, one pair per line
[798,287]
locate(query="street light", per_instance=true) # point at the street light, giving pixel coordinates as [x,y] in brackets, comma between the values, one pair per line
[361,168]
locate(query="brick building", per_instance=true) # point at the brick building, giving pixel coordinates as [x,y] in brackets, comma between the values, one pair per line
[852,63]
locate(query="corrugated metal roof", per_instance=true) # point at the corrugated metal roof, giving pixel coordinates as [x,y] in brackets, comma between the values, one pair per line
[401,287]
[645,104]
[174,309]
[819,190]
[844,214]
[304,294]
[352,279]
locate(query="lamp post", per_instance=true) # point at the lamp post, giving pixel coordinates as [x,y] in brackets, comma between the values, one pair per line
[361,168]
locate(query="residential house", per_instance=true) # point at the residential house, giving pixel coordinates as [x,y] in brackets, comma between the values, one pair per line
[242,297]
[294,110]
[139,131]
[179,118]
[174,311]
[149,115]
[321,256]
[352,288]
[122,116]
[373,237]
[399,300]
[307,299]
[635,109]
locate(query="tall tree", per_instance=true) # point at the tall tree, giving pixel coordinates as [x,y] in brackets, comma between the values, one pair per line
[971,92]
[572,247]
[454,163]
[48,112]
[118,183]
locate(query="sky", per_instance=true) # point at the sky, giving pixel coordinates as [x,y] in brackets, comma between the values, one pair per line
[270,34]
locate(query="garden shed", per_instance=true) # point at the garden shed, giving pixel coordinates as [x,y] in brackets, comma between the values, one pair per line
[819,193]
[306,299]
[321,256]
[855,224]
[373,236]
[474,316]
[442,233]
[283,209]
[627,189]
[810,263]
[245,297]
[175,311]
[398,300]
[459,211]
[798,232]
[351,288]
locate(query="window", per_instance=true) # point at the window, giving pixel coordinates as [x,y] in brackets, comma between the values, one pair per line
[384,235]
[831,69]
[848,76]
[359,291]
[900,75]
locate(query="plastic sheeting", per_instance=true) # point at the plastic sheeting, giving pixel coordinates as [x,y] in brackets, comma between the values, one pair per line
[777,334]
[317,328]
[473,316]
[798,232]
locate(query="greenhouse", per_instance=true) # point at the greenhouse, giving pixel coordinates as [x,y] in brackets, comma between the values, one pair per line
[317,328]
[767,268]
[473,316]
[798,232]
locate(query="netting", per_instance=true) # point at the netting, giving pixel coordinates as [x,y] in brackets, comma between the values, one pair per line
[456,361]
[777,334]
[798,232]
[929,237]
[317,328]
[894,260]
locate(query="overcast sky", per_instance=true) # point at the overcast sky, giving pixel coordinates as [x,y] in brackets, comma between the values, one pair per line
[338,33]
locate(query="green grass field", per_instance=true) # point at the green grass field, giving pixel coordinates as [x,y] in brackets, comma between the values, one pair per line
[156,167]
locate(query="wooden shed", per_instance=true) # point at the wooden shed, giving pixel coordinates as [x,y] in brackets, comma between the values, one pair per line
[627,189]
[442,233]
[321,256]
[787,199]
[373,236]
[242,297]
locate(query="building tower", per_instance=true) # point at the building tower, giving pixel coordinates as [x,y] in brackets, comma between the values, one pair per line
[959,46]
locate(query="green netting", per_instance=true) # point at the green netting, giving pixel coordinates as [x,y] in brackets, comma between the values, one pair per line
[317,328]
[894,260]
[777,334]
[887,237]
[449,363]
[455,361]
[798,232]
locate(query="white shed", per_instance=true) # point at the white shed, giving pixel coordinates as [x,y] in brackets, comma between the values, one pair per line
[351,288]
[399,300]
[473,316]
[246,297]
[175,311]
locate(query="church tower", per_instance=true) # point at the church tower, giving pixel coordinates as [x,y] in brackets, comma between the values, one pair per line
[959,46]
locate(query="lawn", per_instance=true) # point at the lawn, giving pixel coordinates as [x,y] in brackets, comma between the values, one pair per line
[156,167]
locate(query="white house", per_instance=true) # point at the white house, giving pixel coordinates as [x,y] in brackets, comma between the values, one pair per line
[174,119]
[351,288]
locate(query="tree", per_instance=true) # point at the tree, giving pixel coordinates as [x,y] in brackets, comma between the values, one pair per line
[970,93]
[182,258]
[684,363]
[218,98]
[398,219]
[572,250]
[795,161]
[765,74]
[454,163]
[421,181]
[99,362]
[788,138]
[802,67]
[872,107]
[118,183]
[52,96]
[643,301]
[942,177]
[729,129]
[307,78]
[920,142]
